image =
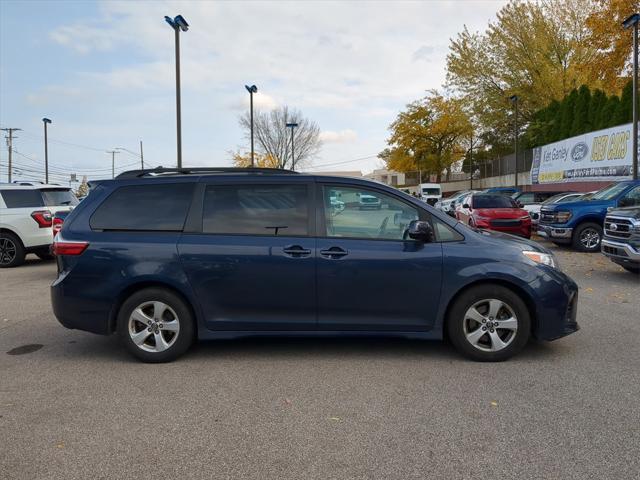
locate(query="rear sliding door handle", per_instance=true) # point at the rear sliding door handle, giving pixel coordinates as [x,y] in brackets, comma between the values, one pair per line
[334,252]
[296,251]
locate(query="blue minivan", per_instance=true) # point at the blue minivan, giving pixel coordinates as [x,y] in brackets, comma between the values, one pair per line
[163,257]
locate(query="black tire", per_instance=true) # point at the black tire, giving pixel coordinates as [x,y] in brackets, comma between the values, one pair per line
[44,254]
[632,269]
[184,337]
[585,229]
[12,251]
[456,323]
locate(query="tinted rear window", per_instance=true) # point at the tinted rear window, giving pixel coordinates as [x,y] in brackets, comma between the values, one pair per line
[57,197]
[145,207]
[493,201]
[22,198]
[256,210]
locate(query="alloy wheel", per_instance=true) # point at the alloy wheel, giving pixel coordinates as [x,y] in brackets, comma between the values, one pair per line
[153,326]
[7,251]
[590,238]
[490,325]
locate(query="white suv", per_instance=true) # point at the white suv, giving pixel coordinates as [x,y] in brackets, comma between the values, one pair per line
[26,212]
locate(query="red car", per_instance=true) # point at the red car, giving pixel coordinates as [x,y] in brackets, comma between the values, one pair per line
[495,212]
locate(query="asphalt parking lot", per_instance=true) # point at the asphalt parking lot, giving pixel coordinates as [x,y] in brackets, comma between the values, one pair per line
[79,407]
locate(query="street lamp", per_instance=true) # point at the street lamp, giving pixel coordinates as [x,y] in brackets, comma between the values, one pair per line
[514,100]
[251,89]
[178,23]
[46,121]
[292,125]
[632,21]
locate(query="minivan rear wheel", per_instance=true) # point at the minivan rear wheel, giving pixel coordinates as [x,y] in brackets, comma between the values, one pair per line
[489,323]
[156,325]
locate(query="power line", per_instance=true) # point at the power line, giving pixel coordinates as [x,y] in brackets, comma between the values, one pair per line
[69,144]
[345,161]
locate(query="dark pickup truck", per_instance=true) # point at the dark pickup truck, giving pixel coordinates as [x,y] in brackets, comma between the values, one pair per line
[621,242]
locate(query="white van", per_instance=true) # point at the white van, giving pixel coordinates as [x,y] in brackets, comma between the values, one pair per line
[430,192]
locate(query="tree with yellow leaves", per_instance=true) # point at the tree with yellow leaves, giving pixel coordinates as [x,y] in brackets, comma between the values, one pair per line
[428,136]
[243,160]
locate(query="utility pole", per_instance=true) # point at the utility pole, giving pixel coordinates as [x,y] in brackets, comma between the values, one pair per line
[141,156]
[113,162]
[514,99]
[10,138]
[471,163]
[632,22]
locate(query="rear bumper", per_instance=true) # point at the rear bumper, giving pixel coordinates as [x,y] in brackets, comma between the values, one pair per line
[78,312]
[557,234]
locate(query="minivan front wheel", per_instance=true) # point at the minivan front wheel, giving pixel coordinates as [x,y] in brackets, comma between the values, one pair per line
[156,325]
[489,323]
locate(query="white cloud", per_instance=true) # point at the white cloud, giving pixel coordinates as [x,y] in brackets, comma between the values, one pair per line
[343,136]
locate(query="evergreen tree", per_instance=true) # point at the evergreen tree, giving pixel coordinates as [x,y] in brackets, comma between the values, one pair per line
[581,112]
[567,109]
[598,101]
[625,112]
[609,112]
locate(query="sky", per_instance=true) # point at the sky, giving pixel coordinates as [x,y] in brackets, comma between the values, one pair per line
[104,73]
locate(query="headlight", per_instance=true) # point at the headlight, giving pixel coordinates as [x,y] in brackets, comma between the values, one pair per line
[524,217]
[542,258]
[563,217]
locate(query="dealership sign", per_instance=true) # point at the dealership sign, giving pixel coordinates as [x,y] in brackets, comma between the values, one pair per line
[601,155]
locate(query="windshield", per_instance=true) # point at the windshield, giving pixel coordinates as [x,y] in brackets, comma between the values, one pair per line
[493,201]
[610,192]
[560,198]
[431,191]
[56,197]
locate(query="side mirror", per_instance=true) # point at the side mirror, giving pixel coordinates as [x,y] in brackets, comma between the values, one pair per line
[421,231]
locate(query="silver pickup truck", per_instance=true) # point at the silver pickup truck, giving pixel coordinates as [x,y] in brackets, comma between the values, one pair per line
[621,242]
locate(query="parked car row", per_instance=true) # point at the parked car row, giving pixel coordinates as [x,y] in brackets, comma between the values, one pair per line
[27,213]
[607,220]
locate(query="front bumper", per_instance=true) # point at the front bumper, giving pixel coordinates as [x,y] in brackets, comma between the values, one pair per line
[557,309]
[558,234]
[620,252]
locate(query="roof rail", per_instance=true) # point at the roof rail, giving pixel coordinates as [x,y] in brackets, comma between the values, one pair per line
[160,171]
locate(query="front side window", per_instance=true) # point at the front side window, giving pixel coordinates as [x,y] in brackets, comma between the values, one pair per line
[160,207]
[352,212]
[631,198]
[28,198]
[275,210]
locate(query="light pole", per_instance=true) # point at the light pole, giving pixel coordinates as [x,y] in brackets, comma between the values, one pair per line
[251,89]
[178,23]
[113,162]
[471,162]
[139,155]
[632,21]
[514,100]
[46,121]
[292,126]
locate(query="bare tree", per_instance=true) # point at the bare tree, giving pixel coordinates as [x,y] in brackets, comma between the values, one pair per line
[274,138]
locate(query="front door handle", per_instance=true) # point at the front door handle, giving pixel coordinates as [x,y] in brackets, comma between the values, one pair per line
[334,253]
[296,251]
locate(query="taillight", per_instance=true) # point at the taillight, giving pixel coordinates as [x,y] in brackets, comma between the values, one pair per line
[42,217]
[64,247]
[57,225]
